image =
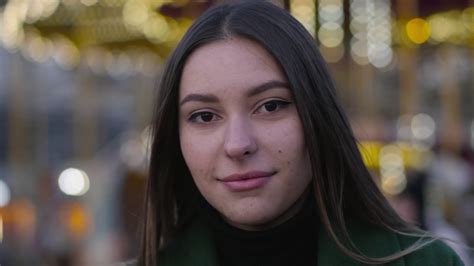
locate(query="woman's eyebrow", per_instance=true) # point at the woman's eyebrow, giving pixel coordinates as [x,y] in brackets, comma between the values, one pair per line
[211,98]
[206,98]
[266,86]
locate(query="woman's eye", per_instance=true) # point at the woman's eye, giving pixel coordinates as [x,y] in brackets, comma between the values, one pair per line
[202,117]
[272,106]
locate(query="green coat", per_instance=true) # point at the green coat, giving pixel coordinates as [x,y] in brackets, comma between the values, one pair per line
[195,247]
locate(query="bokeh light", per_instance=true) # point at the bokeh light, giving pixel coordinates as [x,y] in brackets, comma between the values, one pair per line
[305,11]
[133,151]
[394,185]
[1,228]
[371,32]
[4,194]
[468,19]
[135,13]
[418,30]
[370,153]
[331,34]
[73,182]
[392,170]
[423,126]
[331,30]
[77,219]
[66,54]
[89,2]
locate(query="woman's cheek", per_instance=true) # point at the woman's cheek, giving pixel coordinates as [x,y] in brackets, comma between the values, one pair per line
[197,151]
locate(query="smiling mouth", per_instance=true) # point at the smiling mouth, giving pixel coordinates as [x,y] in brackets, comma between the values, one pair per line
[247,181]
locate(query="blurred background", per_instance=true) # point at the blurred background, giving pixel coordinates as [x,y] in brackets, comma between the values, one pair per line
[77,82]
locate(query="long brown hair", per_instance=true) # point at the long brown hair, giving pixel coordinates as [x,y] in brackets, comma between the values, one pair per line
[341,183]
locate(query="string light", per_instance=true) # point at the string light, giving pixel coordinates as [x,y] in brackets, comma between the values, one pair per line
[370,25]
[371,32]
[453,27]
[331,32]
[305,12]
[393,179]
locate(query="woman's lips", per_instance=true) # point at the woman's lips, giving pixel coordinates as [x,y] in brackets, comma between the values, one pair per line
[246,181]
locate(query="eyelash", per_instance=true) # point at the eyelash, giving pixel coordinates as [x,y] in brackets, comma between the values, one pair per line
[280,105]
[193,118]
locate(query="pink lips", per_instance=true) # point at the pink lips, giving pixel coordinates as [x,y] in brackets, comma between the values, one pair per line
[246,181]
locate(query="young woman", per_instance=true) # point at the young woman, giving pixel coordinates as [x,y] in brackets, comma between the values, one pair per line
[253,161]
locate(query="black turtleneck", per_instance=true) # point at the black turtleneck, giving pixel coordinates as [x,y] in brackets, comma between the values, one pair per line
[292,243]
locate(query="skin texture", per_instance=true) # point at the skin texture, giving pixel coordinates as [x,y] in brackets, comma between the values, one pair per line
[224,130]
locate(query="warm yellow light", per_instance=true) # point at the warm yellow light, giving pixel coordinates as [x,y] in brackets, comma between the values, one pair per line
[37,48]
[468,18]
[89,2]
[34,11]
[304,11]
[66,54]
[331,34]
[135,13]
[174,32]
[391,172]
[77,220]
[41,9]
[156,29]
[11,25]
[452,26]
[359,51]
[440,26]
[392,169]
[1,229]
[111,3]
[394,185]
[370,153]
[418,30]
[71,3]
[331,12]
[49,7]
[22,213]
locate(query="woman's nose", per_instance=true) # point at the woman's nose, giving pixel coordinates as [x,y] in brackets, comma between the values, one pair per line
[239,140]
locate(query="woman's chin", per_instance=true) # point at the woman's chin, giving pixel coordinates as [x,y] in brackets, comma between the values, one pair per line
[253,221]
[250,225]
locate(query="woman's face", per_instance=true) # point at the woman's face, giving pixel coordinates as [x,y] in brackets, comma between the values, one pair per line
[241,135]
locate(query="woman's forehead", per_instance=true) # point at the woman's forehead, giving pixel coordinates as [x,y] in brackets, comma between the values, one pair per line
[227,64]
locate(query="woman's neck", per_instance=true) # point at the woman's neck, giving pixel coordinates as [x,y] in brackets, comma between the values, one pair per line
[285,216]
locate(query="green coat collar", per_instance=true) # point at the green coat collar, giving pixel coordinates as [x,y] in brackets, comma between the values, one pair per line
[195,247]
